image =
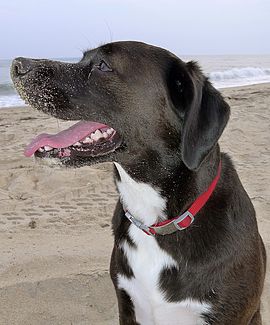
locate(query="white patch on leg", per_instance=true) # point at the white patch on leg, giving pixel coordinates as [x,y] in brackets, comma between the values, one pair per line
[147,260]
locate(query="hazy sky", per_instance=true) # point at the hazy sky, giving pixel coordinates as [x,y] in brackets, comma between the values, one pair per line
[62,28]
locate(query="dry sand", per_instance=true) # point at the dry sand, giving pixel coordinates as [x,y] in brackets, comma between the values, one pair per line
[55,236]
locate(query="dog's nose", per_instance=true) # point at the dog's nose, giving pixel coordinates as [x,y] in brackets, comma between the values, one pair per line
[21,66]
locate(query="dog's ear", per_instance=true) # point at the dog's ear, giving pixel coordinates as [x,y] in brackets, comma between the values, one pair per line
[204,121]
[204,115]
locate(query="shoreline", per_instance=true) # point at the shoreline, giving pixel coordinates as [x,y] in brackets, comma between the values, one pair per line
[55,228]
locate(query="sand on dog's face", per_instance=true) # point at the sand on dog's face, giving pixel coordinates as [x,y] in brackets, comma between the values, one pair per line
[52,87]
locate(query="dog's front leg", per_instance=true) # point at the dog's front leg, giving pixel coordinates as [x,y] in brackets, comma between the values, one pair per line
[126,309]
[125,304]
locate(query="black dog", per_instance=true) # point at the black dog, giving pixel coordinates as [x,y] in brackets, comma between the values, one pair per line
[187,248]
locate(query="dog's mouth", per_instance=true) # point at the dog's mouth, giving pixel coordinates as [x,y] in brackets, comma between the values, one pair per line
[83,139]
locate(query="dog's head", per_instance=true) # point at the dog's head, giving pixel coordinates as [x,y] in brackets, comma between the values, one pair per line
[144,101]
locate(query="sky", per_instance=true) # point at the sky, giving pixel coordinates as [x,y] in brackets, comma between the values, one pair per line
[58,28]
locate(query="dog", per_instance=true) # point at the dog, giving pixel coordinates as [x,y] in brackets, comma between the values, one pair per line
[186,243]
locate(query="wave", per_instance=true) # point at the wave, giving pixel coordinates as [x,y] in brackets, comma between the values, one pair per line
[239,76]
[9,96]
[10,101]
[7,89]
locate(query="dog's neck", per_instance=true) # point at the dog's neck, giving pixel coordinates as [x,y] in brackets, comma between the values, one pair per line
[142,200]
[150,203]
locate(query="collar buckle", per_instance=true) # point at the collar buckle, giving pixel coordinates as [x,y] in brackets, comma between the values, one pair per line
[148,230]
[184,221]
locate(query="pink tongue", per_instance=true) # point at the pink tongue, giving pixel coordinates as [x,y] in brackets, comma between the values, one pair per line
[64,138]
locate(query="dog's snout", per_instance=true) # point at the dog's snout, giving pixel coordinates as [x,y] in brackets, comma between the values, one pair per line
[21,66]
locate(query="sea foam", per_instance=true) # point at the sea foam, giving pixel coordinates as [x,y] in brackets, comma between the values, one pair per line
[239,76]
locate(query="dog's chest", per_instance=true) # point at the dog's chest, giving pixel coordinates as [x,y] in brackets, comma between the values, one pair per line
[147,261]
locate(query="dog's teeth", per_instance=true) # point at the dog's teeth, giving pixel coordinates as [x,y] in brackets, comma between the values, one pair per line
[110,131]
[105,135]
[40,149]
[77,144]
[87,140]
[48,148]
[98,132]
[97,135]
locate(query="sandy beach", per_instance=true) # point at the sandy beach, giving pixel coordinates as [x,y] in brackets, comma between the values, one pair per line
[55,235]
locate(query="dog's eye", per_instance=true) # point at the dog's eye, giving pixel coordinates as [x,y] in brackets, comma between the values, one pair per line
[103,66]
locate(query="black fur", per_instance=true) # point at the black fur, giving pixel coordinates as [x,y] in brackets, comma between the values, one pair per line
[170,118]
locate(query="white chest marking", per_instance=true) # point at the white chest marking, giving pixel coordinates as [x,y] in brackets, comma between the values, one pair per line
[147,260]
[142,200]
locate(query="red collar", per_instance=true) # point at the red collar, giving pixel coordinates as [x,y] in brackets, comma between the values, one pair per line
[180,222]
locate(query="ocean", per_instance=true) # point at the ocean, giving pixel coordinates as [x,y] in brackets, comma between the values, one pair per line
[223,70]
